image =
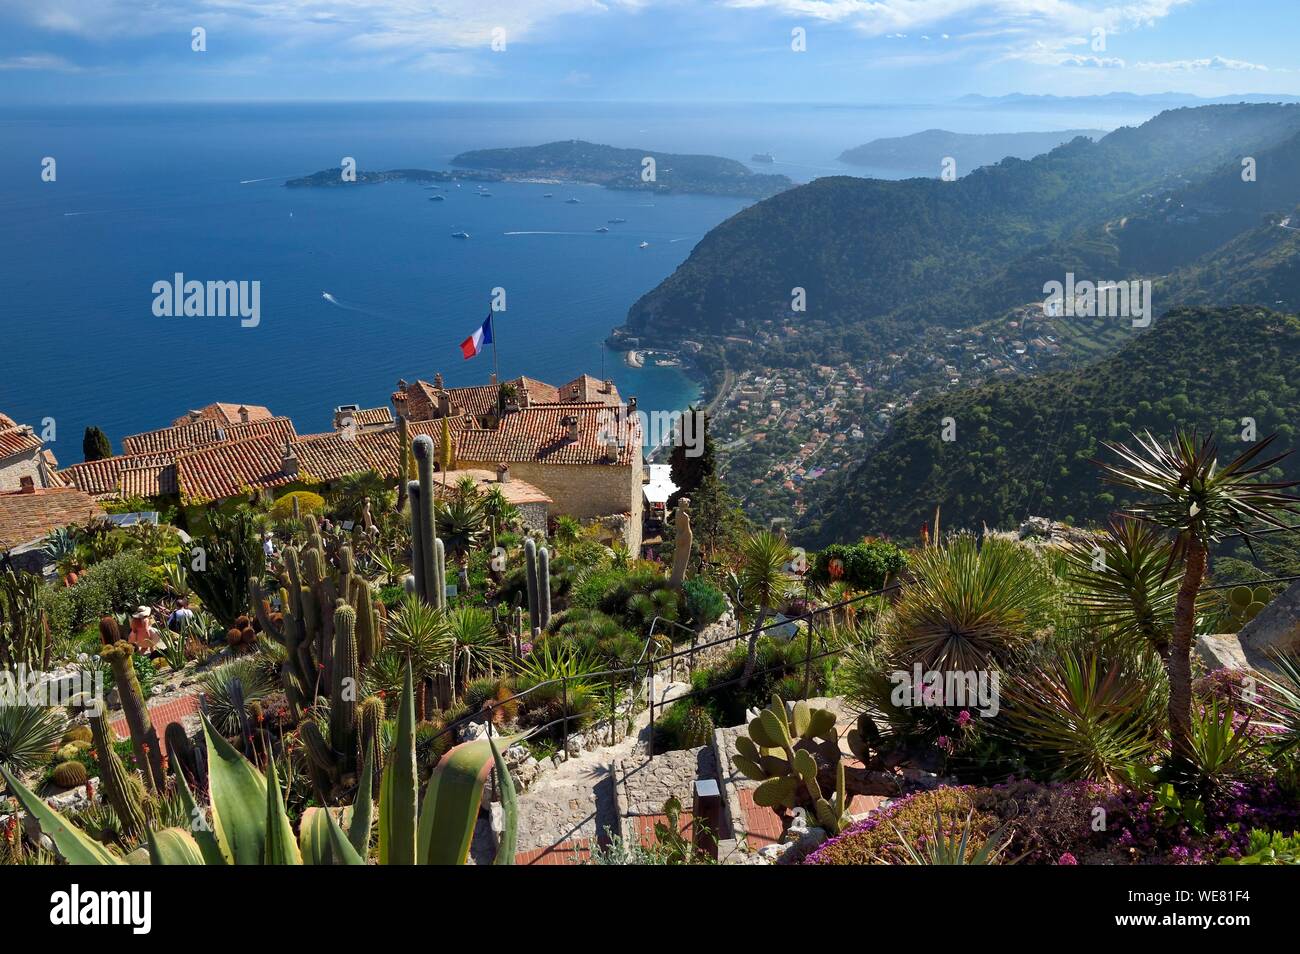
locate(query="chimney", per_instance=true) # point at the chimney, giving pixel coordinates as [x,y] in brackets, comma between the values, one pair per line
[503,473]
[437,380]
[444,404]
[571,422]
[243,414]
[493,380]
[26,485]
[631,407]
[289,461]
[195,415]
[609,386]
[523,393]
[611,451]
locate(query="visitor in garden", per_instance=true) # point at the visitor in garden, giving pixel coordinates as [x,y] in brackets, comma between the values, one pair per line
[181,617]
[143,636]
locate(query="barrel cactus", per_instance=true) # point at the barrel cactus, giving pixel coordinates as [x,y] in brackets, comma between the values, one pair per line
[697,728]
[70,774]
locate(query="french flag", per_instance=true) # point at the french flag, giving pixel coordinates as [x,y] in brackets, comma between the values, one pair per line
[482,335]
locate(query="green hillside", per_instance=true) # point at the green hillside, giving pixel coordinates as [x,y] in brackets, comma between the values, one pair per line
[1023,446]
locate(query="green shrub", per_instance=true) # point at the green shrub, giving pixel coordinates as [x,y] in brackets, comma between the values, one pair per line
[308,503]
[863,566]
[704,602]
[116,584]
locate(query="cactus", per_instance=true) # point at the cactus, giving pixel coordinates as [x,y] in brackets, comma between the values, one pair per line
[180,752]
[78,733]
[697,728]
[788,751]
[428,555]
[122,788]
[537,565]
[370,717]
[70,774]
[343,692]
[144,740]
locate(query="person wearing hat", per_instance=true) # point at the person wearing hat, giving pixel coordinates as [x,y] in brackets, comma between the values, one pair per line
[143,636]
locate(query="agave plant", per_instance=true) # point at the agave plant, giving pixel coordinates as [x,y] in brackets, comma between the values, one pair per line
[1083,716]
[1200,502]
[27,733]
[1222,748]
[249,824]
[461,522]
[941,848]
[418,632]
[970,604]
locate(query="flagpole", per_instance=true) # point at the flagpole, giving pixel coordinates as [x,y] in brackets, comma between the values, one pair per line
[496,371]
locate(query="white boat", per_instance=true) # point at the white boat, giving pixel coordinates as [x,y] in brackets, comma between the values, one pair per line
[572,201]
[602,229]
[645,245]
[437,198]
[547,195]
[460,235]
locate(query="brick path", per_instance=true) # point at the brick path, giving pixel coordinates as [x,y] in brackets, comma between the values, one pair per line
[162,715]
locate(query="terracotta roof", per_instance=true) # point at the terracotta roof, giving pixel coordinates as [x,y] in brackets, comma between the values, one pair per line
[25,517]
[372,417]
[422,398]
[101,478]
[515,491]
[540,434]
[176,437]
[155,481]
[279,427]
[224,414]
[227,470]
[329,456]
[586,389]
[7,421]
[18,439]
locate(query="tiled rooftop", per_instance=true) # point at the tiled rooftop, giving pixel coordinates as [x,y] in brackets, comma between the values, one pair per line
[25,517]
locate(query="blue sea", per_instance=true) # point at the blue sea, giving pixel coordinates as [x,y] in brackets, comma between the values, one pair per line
[359,286]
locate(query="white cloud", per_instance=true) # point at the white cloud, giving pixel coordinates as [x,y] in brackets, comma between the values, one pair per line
[1209,63]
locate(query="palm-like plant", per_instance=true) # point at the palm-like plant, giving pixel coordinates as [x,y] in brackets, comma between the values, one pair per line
[476,641]
[1124,584]
[970,604]
[27,733]
[461,522]
[389,566]
[500,512]
[418,632]
[1190,495]
[230,688]
[762,582]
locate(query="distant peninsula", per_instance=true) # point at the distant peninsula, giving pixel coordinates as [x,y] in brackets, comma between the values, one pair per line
[334,177]
[924,151]
[578,161]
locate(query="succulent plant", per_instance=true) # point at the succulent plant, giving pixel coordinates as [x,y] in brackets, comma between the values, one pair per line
[144,739]
[697,728]
[70,774]
[122,788]
[786,750]
[1245,603]
[537,565]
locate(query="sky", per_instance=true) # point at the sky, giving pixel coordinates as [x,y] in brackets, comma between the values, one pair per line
[859,51]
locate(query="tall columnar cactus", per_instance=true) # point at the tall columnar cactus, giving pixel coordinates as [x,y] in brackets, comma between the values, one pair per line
[544,587]
[144,739]
[344,689]
[370,717]
[530,577]
[428,556]
[122,789]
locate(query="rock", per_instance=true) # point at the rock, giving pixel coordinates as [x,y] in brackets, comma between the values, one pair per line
[773,853]
[473,730]
[1277,627]
[575,744]
[559,757]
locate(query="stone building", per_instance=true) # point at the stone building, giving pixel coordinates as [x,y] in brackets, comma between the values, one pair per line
[23,456]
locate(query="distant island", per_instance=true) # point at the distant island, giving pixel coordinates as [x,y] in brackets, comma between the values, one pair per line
[926,150]
[579,161]
[334,177]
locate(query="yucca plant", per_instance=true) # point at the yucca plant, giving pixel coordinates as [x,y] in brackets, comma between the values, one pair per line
[763,583]
[479,647]
[249,824]
[229,688]
[1081,715]
[970,604]
[27,733]
[941,848]
[418,631]
[1200,502]
[461,521]
[1124,584]
[1222,749]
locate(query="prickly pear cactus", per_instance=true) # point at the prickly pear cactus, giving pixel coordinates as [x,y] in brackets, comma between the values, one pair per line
[1245,603]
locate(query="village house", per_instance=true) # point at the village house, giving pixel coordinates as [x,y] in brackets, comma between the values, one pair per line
[29,514]
[24,455]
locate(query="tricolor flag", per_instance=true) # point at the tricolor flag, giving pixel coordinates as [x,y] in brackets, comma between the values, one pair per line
[482,335]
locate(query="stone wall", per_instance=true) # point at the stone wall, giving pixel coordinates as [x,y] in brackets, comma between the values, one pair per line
[585,491]
[14,469]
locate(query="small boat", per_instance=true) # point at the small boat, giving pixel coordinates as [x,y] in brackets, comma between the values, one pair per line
[548,195]
[617,221]
[644,245]
[602,229]
[437,198]
[460,235]
[571,201]
[486,195]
